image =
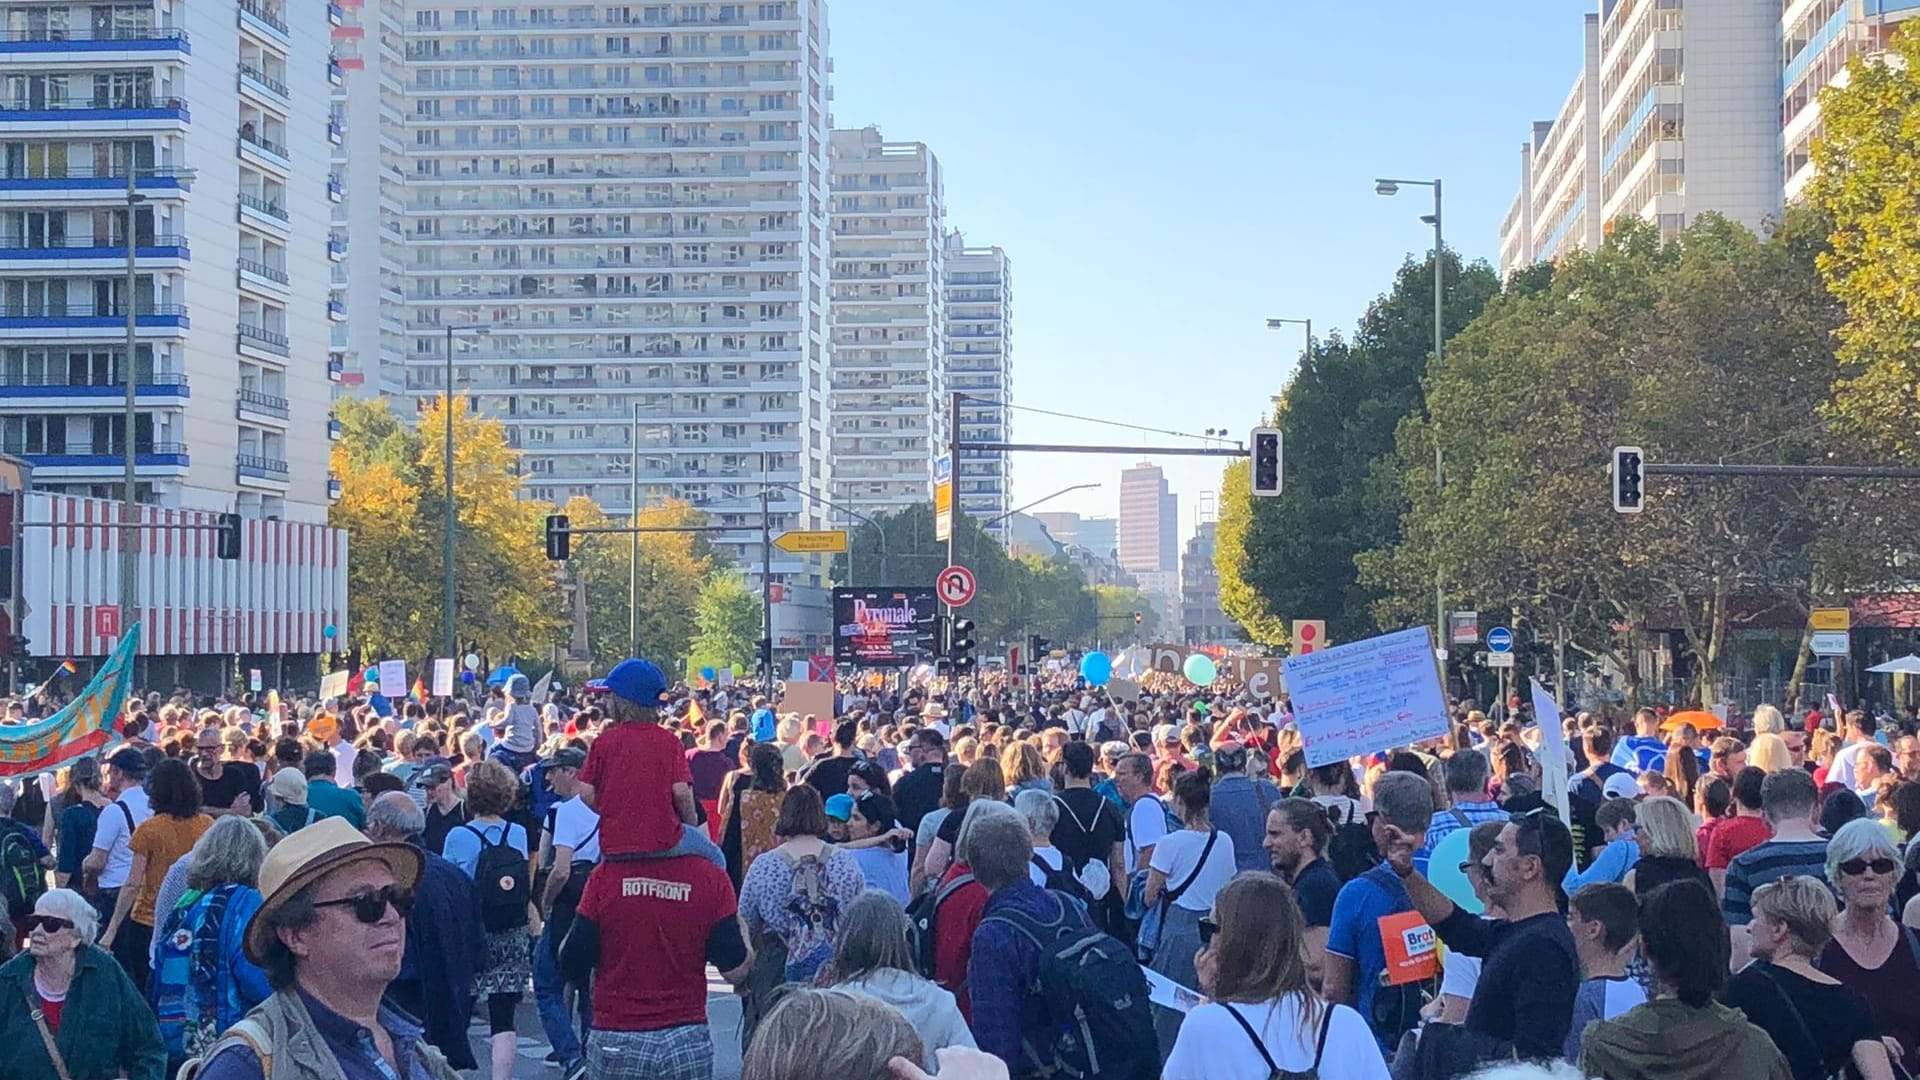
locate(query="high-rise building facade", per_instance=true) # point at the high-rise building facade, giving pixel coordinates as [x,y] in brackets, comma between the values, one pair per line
[1201,618]
[889,321]
[1148,539]
[616,220]
[369,301]
[1684,107]
[219,116]
[979,365]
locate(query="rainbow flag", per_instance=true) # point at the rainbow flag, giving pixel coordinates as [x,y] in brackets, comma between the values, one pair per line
[696,716]
[68,667]
[419,693]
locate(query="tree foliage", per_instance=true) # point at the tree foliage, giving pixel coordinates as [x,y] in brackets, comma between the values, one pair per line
[1292,556]
[728,624]
[674,568]
[1868,183]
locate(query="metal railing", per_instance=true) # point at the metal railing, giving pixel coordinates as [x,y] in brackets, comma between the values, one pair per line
[96,33]
[79,171]
[87,311]
[66,379]
[271,209]
[69,243]
[262,269]
[113,447]
[270,466]
[134,101]
[266,13]
[248,71]
[266,403]
[262,142]
[265,338]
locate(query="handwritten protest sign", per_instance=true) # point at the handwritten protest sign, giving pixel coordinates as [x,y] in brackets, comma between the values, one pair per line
[1553,750]
[393,679]
[1366,696]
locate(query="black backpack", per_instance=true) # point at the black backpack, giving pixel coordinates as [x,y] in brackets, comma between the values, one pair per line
[1095,998]
[501,879]
[23,881]
[1351,850]
[1062,880]
[922,915]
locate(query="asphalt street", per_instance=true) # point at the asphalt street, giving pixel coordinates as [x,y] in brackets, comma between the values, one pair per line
[723,1015]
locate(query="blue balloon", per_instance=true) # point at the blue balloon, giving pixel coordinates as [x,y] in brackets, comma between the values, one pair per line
[328,631]
[466,677]
[1444,871]
[1096,668]
[372,674]
[708,673]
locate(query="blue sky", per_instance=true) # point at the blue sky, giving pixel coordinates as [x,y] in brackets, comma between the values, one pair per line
[1166,176]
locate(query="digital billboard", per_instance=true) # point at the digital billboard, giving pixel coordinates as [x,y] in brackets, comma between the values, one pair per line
[878,627]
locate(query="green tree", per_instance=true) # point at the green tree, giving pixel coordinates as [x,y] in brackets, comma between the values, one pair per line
[1127,616]
[728,623]
[1292,556]
[673,568]
[1868,183]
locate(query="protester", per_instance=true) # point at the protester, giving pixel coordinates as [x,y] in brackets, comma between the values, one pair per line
[873,958]
[1682,1033]
[331,934]
[156,845]
[796,893]
[1788,800]
[1819,1024]
[1296,847]
[982,780]
[1262,1019]
[202,980]
[750,809]
[1239,805]
[489,850]
[1605,921]
[111,859]
[289,791]
[636,776]
[1147,816]
[1188,867]
[708,764]
[446,938]
[79,818]
[226,787]
[917,792]
[1467,772]
[883,862]
[837,1034]
[325,795]
[1356,951]
[1669,849]
[66,991]
[1870,952]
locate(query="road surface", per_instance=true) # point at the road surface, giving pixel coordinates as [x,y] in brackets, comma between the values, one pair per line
[723,1015]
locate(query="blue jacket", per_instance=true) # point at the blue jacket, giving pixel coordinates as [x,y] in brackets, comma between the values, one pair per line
[238,983]
[1610,866]
[1002,971]
[446,947]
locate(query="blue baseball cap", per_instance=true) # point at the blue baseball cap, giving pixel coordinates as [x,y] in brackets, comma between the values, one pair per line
[639,681]
[840,807]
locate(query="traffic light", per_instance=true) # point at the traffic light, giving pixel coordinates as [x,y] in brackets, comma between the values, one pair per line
[559,538]
[1629,493]
[17,644]
[226,539]
[1266,462]
[1138,618]
[1037,647]
[960,645]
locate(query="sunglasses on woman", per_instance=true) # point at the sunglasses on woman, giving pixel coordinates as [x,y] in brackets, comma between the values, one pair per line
[1208,928]
[51,924]
[370,906]
[1856,867]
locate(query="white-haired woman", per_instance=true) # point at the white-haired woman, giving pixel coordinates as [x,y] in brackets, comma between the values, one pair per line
[1870,952]
[203,981]
[68,991]
[872,957]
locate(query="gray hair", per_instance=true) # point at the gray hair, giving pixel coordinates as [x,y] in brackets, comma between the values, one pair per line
[74,908]
[1767,720]
[1858,839]
[994,841]
[1467,773]
[393,816]
[1558,1070]
[1041,812]
[231,850]
[873,937]
[1405,800]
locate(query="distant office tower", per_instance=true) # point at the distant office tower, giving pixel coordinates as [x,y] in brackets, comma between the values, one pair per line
[1201,617]
[616,219]
[230,276]
[367,185]
[1684,107]
[889,321]
[1149,522]
[979,364]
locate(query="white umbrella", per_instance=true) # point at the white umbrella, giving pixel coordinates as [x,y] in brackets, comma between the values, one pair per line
[1908,665]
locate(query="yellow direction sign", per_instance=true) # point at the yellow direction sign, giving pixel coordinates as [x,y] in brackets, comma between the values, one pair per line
[1830,618]
[829,541]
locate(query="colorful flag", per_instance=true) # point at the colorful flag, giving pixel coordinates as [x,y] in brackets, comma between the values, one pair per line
[68,667]
[419,691]
[696,716]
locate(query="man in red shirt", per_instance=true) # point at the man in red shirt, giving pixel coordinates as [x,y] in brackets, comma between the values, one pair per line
[1745,829]
[636,776]
[644,933]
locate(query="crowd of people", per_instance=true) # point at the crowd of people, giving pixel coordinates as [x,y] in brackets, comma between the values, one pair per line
[1058,883]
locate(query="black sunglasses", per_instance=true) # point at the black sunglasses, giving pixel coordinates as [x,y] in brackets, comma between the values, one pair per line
[1856,867]
[371,906]
[51,924]
[1208,928]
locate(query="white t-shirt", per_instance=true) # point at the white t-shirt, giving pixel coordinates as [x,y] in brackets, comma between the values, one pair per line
[576,826]
[343,755]
[1176,856]
[1146,824]
[1213,1046]
[1461,976]
[112,834]
[1049,855]
[1841,771]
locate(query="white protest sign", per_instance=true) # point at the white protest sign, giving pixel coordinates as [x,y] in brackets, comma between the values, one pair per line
[799,672]
[726,676]
[1553,750]
[393,679]
[333,684]
[443,676]
[543,689]
[1367,695]
[253,679]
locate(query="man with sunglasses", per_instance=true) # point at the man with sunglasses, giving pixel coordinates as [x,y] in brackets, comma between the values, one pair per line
[1530,971]
[331,934]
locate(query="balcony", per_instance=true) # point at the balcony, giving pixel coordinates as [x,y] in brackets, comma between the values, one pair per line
[261,407]
[336,14]
[21,44]
[335,430]
[337,310]
[336,190]
[336,132]
[266,22]
[84,250]
[336,74]
[262,270]
[77,459]
[264,86]
[336,247]
[261,150]
[333,488]
[61,390]
[254,340]
[39,318]
[254,470]
[83,178]
[336,370]
[81,110]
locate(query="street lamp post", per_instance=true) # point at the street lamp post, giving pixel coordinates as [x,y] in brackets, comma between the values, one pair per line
[1275,324]
[129,372]
[447,551]
[1034,503]
[1392,187]
[633,553]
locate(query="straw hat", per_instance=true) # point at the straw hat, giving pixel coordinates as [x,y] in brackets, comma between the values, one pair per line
[310,853]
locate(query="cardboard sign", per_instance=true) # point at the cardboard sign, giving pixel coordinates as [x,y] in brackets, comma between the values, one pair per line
[393,679]
[1367,696]
[1123,690]
[1412,955]
[253,679]
[810,699]
[333,684]
[443,676]
[1263,676]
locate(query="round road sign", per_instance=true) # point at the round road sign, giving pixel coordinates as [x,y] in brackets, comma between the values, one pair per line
[1499,639]
[955,586]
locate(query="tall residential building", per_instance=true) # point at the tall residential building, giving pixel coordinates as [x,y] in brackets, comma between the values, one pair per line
[1560,204]
[1817,38]
[616,219]
[889,321]
[1149,523]
[979,364]
[367,186]
[1200,615]
[219,114]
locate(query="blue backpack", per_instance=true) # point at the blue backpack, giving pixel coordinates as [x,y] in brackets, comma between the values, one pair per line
[189,985]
